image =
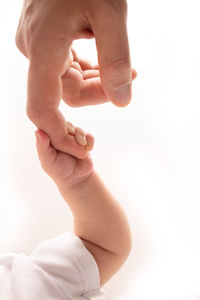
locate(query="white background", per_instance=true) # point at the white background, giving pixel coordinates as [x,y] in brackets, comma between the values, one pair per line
[147,153]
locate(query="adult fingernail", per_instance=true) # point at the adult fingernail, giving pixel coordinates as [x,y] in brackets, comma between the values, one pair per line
[123,94]
[81,139]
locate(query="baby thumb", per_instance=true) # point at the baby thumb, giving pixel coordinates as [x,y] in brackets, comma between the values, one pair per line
[42,142]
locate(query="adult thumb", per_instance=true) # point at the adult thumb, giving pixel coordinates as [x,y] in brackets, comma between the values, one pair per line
[110,30]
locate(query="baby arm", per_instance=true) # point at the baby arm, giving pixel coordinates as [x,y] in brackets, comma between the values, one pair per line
[99,220]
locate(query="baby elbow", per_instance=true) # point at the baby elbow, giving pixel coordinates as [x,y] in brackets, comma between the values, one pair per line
[125,243]
[128,247]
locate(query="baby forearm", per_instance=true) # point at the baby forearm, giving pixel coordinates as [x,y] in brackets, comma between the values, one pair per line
[98,217]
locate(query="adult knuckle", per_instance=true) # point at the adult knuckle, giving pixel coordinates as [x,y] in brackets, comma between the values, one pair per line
[101,10]
[116,6]
[25,29]
[124,5]
[34,113]
[18,40]
[121,64]
[33,42]
[121,5]
[72,102]
[30,113]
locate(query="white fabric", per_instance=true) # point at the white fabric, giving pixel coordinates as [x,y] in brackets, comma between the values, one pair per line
[60,268]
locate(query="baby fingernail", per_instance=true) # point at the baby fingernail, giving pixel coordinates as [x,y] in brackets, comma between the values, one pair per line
[81,139]
[71,129]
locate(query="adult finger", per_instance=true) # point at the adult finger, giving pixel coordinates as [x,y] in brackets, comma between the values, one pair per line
[113,50]
[84,63]
[46,153]
[84,89]
[78,91]
[42,141]
[44,94]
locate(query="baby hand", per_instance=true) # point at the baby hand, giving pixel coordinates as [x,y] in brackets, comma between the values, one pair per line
[63,168]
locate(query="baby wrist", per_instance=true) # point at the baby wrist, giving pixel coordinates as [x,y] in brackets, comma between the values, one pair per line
[68,186]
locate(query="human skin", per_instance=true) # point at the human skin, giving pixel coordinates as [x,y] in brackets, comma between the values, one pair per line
[46,31]
[98,218]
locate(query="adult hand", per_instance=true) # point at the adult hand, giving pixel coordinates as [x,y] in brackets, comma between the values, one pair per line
[45,35]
